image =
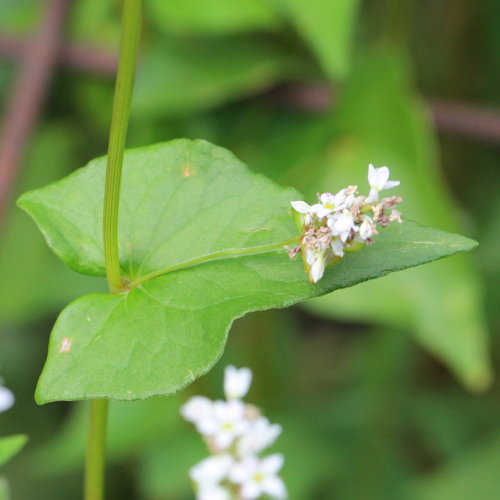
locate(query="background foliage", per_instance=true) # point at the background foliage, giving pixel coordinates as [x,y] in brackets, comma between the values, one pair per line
[388,385]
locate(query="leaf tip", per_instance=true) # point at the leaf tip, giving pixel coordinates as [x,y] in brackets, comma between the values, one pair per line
[479,381]
[21,200]
[40,397]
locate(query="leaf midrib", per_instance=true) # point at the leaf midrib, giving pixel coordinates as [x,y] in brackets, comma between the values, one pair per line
[219,255]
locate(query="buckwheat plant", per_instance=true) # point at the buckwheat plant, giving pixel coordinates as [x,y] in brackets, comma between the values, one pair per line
[235,433]
[343,222]
[189,239]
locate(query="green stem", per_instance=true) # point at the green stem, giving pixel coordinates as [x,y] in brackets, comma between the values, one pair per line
[95,462]
[222,254]
[131,28]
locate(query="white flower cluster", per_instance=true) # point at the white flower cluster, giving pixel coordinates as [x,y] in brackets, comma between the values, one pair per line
[235,433]
[343,222]
[6,398]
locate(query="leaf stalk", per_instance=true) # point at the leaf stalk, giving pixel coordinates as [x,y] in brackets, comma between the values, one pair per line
[221,254]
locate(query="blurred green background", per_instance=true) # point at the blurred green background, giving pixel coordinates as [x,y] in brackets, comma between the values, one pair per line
[386,390]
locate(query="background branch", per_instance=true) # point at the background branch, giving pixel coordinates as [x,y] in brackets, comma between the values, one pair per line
[27,95]
[466,120]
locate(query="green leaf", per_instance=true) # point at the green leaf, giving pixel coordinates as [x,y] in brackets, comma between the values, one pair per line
[216,17]
[133,426]
[472,474]
[327,25]
[95,22]
[178,77]
[184,203]
[179,201]
[4,489]
[10,446]
[18,17]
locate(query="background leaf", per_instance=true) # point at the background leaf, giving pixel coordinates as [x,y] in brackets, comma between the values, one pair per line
[471,475]
[4,489]
[10,446]
[24,259]
[213,18]
[177,77]
[327,25]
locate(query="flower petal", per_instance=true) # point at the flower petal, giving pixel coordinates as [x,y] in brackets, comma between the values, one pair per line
[318,268]
[275,487]
[301,206]
[337,247]
[7,398]
[273,463]
[391,184]
[237,382]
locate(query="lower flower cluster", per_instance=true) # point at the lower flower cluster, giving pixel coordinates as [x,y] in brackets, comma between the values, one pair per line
[235,433]
[6,398]
[343,222]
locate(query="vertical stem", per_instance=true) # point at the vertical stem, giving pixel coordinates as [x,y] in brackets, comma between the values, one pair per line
[131,28]
[96,445]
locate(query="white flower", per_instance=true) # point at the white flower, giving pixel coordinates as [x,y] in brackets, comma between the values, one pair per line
[367,228]
[235,433]
[197,410]
[259,477]
[213,492]
[308,211]
[6,398]
[331,203]
[260,434]
[337,247]
[378,178]
[236,382]
[226,422]
[301,206]
[211,470]
[316,259]
[342,224]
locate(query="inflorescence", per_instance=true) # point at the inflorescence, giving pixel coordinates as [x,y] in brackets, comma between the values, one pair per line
[343,222]
[6,398]
[235,433]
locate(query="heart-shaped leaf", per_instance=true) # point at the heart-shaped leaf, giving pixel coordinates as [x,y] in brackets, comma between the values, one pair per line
[179,201]
[201,244]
